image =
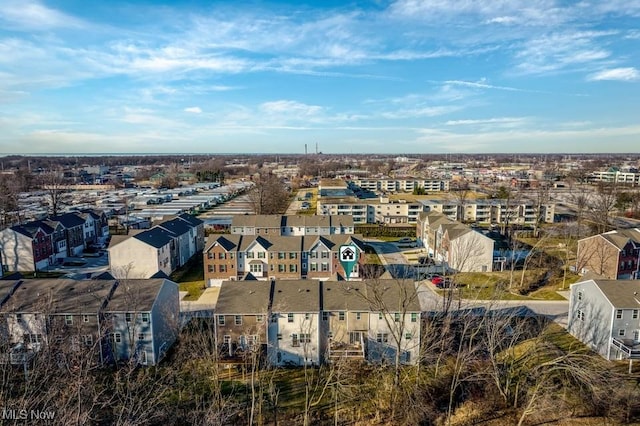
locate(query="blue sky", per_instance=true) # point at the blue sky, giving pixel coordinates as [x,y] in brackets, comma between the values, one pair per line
[405,76]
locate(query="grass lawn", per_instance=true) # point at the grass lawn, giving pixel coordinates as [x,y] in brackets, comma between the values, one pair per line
[494,285]
[192,271]
[194,288]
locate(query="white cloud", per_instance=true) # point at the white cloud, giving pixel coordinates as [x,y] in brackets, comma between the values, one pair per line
[32,15]
[619,74]
[193,110]
[290,107]
[498,120]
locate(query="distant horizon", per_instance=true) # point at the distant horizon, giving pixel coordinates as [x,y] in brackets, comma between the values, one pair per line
[380,77]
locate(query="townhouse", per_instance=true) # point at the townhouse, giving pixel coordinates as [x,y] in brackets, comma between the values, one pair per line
[291,225]
[106,320]
[35,245]
[611,255]
[313,322]
[242,317]
[605,315]
[295,336]
[143,318]
[237,257]
[161,249]
[459,247]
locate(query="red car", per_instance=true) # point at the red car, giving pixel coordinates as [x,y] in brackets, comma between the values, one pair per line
[436,280]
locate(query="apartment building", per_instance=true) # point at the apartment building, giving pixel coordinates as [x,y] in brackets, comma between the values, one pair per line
[614,255]
[616,176]
[402,185]
[260,257]
[381,210]
[522,212]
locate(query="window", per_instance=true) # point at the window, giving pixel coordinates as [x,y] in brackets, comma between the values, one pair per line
[256,267]
[145,317]
[128,317]
[382,337]
[223,268]
[579,295]
[325,255]
[289,317]
[325,316]
[325,266]
[19,317]
[209,255]
[259,318]
[274,317]
[379,315]
[117,337]
[396,317]
[238,319]
[85,318]
[227,339]
[293,255]
[140,336]
[621,332]
[414,317]
[635,314]
[307,316]
[408,336]
[250,255]
[281,255]
[222,255]
[211,268]
[294,341]
[281,268]
[358,315]
[261,255]
[293,268]
[87,340]
[305,338]
[341,315]
[619,313]
[580,315]
[220,319]
[314,267]
[279,336]
[68,319]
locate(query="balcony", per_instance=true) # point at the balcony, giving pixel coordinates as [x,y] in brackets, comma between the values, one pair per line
[627,346]
[354,349]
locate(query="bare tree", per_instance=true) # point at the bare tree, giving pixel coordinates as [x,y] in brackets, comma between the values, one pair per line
[54,185]
[269,195]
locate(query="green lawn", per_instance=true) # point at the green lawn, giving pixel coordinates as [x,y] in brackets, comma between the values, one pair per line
[195,289]
[495,285]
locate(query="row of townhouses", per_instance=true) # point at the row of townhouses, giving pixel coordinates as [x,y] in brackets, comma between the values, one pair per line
[291,225]
[241,257]
[612,255]
[313,322]
[107,320]
[402,185]
[160,250]
[459,247]
[35,245]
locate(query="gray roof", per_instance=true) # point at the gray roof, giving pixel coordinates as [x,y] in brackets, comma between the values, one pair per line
[192,220]
[176,226]
[344,296]
[296,296]
[155,237]
[136,295]
[68,220]
[622,294]
[244,297]
[58,296]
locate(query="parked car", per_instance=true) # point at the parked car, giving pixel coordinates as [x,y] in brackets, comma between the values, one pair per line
[406,242]
[436,279]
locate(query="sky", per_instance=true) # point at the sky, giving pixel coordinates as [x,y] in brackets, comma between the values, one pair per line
[404,76]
